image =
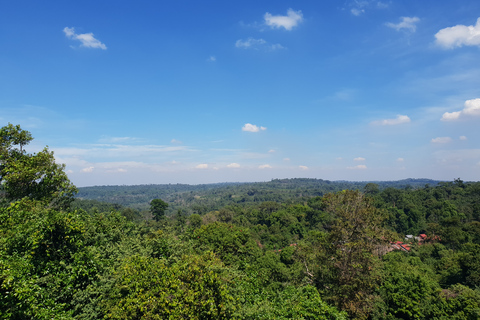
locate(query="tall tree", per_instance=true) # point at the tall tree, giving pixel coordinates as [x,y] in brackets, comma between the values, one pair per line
[352,251]
[35,176]
[157,209]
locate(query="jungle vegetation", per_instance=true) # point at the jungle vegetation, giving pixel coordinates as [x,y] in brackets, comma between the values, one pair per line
[244,251]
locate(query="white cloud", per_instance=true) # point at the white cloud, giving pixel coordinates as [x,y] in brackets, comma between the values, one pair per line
[252,128]
[286,159]
[89,169]
[303,167]
[400,160]
[358,7]
[471,108]
[87,39]
[359,167]
[271,151]
[442,140]
[233,165]
[250,42]
[407,23]
[463,138]
[202,166]
[400,119]
[357,12]
[265,166]
[212,59]
[450,116]
[458,36]
[175,141]
[257,44]
[292,19]
[359,159]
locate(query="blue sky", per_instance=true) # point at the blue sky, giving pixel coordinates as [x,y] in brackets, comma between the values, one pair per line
[140,92]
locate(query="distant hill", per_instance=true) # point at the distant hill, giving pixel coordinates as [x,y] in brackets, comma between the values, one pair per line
[207,197]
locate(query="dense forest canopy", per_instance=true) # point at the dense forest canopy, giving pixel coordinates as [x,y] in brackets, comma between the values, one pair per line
[285,249]
[208,197]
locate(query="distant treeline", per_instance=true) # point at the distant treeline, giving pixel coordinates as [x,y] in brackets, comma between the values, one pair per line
[207,197]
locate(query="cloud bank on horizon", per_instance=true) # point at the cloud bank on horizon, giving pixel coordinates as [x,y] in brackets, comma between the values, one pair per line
[353,92]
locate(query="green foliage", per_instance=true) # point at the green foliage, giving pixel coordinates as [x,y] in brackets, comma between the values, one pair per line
[354,238]
[192,288]
[232,244]
[35,176]
[11,136]
[201,199]
[157,208]
[195,220]
[289,303]
[275,250]
[409,289]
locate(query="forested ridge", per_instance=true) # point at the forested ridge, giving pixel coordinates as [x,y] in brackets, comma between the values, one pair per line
[285,249]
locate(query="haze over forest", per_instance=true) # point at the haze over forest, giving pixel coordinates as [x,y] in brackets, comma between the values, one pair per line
[202,92]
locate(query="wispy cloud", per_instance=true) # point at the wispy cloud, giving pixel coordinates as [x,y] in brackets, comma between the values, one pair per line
[400,160]
[291,20]
[463,138]
[120,151]
[303,167]
[202,166]
[87,39]
[357,11]
[359,159]
[175,141]
[257,44]
[458,36]
[441,140]
[212,59]
[233,165]
[471,109]
[400,119]
[265,166]
[358,167]
[406,23]
[252,128]
[105,139]
[359,7]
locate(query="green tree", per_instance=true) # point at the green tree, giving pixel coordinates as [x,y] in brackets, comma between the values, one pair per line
[352,247]
[157,209]
[371,189]
[195,220]
[11,135]
[196,287]
[35,176]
